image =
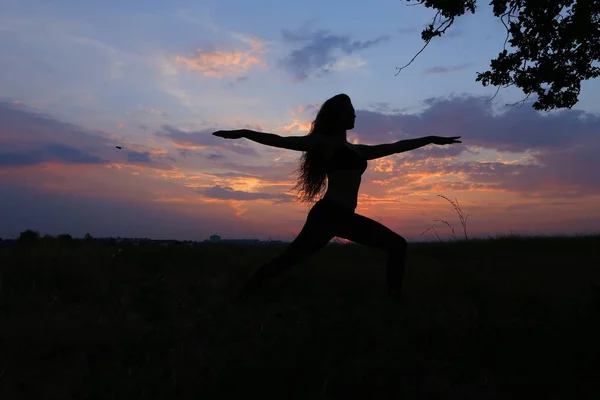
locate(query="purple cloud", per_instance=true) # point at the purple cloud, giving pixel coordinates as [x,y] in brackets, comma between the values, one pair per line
[319,49]
[22,124]
[138,157]
[447,70]
[228,193]
[563,146]
[203,138]
[104,216]
[517,129]
[35,138]
[51,152]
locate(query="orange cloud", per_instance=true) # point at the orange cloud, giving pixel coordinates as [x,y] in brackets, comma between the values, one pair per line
[302,108]
[158,151]
[188,146]
[124,166]
[383,165]
[298,125]
[218,64]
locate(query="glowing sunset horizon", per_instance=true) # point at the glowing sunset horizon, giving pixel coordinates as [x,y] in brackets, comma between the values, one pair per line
[158,82]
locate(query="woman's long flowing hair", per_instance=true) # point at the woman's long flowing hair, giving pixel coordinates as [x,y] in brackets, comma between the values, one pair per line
[311,173]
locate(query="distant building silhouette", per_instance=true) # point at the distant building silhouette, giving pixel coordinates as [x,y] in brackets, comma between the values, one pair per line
[218,239]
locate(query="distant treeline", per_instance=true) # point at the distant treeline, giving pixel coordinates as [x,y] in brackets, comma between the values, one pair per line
[30,236]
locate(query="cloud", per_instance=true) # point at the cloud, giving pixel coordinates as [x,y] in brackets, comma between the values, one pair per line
[514,153]
[238,80]
[21,124]
[548,155]
[210,156]
[149,111]
[51,152]
[221,63]
[275,174]
[566,174]
[228,193]
[514,149]
[28,137]
[321,52]
[118,204]
[138,157]
[298,125]
[202,139]
[385,108]
[514,129]
[446,70]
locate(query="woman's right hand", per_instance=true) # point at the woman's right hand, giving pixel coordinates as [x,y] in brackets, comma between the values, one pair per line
[233,134]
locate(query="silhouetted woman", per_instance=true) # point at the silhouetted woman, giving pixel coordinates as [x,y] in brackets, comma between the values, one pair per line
[327,155]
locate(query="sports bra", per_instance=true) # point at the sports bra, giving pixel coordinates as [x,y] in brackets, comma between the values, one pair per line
[347,159]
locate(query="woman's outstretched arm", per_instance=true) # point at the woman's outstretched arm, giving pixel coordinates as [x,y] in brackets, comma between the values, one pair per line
[298,143]
[371,152]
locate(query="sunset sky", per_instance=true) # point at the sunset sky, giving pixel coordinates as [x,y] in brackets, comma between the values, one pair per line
[157,77]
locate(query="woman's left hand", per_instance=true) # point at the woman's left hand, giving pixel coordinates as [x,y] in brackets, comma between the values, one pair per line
[445,140]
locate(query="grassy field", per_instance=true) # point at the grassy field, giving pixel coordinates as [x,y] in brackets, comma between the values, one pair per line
[485,319]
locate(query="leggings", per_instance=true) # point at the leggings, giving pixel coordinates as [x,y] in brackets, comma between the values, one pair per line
[326,220]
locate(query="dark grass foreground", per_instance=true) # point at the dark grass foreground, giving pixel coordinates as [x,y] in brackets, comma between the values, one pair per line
[496,319]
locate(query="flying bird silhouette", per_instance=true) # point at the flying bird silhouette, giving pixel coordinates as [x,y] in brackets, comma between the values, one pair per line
[118,147]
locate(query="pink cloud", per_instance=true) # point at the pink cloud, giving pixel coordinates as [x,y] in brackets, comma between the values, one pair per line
[223,187]
[30,138]
[221,63]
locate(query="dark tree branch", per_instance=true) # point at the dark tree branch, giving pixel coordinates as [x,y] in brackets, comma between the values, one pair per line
[433,33]
[505,27]
[520,101]
[550,47]
[413,59]
[495,94]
